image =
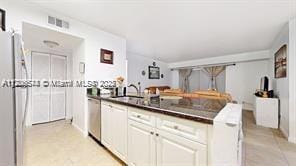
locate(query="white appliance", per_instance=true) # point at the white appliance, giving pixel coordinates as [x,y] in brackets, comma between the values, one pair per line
[227,148]
[12,114]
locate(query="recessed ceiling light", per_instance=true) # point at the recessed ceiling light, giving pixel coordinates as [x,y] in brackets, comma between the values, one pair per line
[50,44]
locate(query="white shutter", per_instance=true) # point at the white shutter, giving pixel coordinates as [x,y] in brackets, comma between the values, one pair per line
[40,96]
[58,94]
[49,103]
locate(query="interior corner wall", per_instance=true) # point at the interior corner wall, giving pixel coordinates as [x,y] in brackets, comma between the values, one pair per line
[292,80]
[281,85]
[78,94]
[137,64]
[243,79]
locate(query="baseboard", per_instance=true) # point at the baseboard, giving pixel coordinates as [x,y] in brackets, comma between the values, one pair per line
[284,132]
[247,106]
[291,139]
[78,128]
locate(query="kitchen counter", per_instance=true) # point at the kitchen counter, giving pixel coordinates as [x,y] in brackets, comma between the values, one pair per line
[198,109]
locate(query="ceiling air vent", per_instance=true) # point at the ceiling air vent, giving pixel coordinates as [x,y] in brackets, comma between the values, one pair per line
[58,22]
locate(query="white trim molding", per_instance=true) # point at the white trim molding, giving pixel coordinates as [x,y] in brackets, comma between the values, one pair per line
[233,58]
[292,80]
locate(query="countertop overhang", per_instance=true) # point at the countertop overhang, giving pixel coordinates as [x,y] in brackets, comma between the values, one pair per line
[198,109]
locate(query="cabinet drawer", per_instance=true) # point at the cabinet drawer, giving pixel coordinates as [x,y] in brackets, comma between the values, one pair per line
[118,106]
[143,117]
[111,105]
[106,103]
[191,130]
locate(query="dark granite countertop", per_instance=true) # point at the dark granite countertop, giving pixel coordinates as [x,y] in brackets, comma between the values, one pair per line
[199,109]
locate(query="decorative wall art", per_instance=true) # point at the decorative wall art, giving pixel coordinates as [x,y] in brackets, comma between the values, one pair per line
[280,62]
[154,72]
[106,56]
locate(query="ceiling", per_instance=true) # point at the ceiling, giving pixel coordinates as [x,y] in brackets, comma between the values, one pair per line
[178,30]
[34,36]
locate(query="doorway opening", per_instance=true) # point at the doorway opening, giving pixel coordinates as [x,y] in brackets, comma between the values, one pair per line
[51,58]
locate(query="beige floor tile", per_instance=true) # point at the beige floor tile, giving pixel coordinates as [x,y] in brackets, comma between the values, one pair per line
[60,144]
[260,140]
[264,146]
[288,149]
[264,155]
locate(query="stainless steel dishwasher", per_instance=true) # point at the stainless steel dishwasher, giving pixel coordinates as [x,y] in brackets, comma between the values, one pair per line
[94,118]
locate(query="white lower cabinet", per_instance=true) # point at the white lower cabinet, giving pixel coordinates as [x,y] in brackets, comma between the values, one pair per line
[138,142]
[173,150]
[148,146]
[106,125]
[141,144]
[119,130]
[114,129]
[143,138]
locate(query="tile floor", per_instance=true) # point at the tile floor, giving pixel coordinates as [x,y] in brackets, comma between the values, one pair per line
[264,146]
[60,144]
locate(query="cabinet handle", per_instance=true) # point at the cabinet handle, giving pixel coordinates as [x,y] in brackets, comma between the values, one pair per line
[151,133]
[138,116]
[157,134]
[176,127]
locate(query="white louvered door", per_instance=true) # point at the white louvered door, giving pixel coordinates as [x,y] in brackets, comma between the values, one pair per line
[48,104]
[58,94]
[40,95]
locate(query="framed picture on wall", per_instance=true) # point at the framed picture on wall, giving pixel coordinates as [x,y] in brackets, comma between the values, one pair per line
[153,72]
[106,56]
[280,62]
[2,19]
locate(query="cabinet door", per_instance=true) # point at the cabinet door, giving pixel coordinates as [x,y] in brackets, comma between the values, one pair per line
[119,131]
[106,123]
[58,94]
[141,144]
[173,150]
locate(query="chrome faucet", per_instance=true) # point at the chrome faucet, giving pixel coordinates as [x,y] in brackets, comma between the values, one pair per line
[138,89]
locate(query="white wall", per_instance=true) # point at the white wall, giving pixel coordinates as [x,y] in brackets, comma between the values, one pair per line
[292,80]
[79,101]
[281,85]
[175,79]
[94,40]
[286,87]
[249,68]
[243,79]
[136,64]
[240,57]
